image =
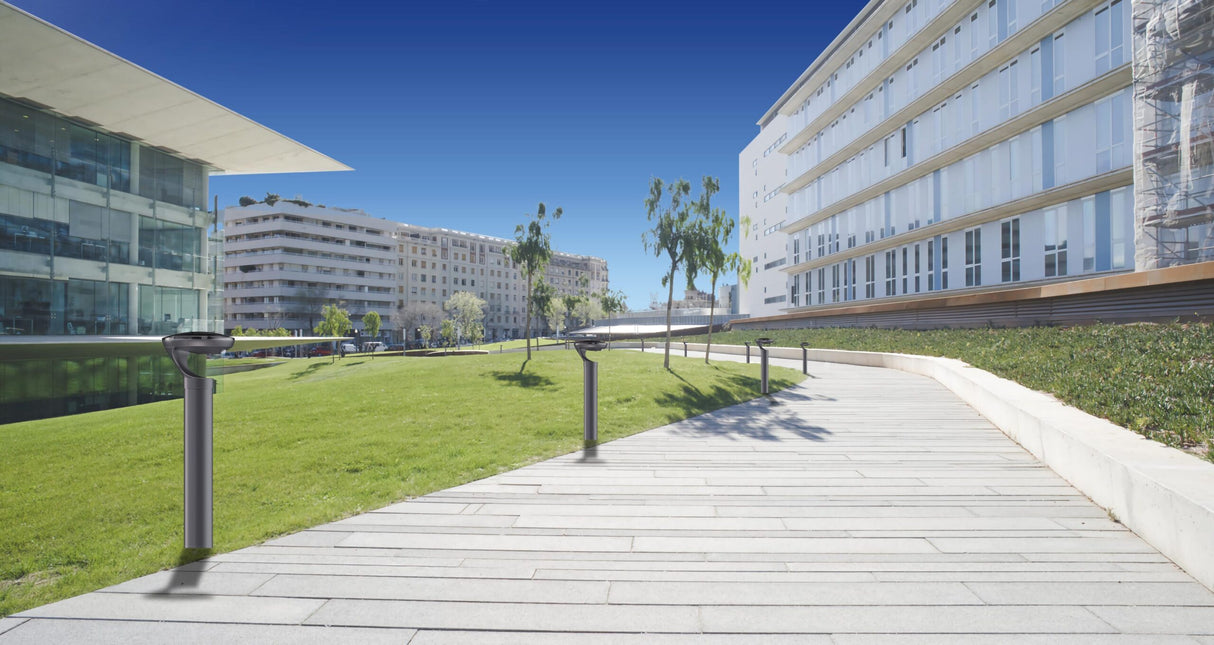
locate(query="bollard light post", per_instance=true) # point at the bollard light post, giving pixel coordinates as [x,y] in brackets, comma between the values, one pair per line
[764,384]
[684,349]
[590,385]
[747,344]
[198,431]
[805,358]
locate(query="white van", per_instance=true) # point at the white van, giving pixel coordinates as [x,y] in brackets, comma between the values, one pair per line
[348,348]
[374,346]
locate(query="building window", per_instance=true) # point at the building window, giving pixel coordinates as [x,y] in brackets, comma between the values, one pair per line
[794,293]
[973,257]
[891,273]
[1009,236]
[1110,36]
[821,286]
[905,270]
[834,283]
[1055,242]
[870,277]
[944,262]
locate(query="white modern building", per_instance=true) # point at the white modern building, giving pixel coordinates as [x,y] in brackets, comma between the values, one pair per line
[967,147]
[284,262]
[104,218]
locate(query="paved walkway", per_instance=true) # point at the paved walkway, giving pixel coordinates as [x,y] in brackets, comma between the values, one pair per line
[866,506]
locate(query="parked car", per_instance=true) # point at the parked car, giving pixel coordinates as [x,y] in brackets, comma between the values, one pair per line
[373,346]
[320,351]
[348,348]
[396,347]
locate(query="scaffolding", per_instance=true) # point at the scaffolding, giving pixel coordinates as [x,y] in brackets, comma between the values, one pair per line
[1174,132]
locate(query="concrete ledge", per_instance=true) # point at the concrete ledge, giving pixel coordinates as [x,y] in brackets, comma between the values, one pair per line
[1164,495]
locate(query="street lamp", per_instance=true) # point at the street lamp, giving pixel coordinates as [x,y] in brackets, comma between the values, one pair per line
[198,431]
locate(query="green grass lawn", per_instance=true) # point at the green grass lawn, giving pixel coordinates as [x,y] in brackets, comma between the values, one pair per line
[90,500]
[1157,380]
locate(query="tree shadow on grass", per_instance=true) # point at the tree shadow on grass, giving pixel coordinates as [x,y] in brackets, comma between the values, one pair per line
[308,371]
[519,379]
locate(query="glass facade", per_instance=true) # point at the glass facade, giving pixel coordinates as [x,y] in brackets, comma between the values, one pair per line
[99,236]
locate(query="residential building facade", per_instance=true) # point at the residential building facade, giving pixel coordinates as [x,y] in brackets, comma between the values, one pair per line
[437,262]
[284,262]
[966,146]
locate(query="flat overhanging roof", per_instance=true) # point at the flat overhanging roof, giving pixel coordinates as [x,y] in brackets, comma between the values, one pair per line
[48,67]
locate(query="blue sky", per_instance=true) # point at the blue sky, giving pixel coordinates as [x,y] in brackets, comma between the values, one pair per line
[466,114]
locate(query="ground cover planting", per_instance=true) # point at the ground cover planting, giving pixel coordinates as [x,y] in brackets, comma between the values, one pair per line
[1155,379]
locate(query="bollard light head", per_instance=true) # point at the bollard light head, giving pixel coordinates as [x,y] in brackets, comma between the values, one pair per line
[763,342]
[180,346]
[588,344]
[805,345]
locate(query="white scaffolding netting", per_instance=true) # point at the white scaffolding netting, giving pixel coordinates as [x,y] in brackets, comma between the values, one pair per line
[1174,131]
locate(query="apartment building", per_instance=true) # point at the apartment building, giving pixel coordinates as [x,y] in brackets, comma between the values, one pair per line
[437,262]
[104,219]
[969,146]
[284,262]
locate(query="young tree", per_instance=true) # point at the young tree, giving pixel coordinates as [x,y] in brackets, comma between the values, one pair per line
[543,295]
[335,321]
[476,333]
[612,302]
[586,311]
[245,200]
[466,309]
[713,230]
[531,252]
[271,199]
[426,332]
[670,235]
[371,323]
[555,314]
[415,314]
[448,331]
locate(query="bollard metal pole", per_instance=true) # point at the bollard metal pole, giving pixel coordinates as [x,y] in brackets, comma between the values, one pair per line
[684,349]
[747,344]
[199,502]
[590,390]
[764,383]
[805,358]
[590,414]
[197,421]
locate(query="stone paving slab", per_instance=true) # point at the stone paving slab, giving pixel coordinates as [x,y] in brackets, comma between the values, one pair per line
[863,506]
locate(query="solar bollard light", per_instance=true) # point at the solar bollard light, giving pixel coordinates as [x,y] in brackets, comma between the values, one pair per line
[763,381]
[684,349]
[198,430]
[747,344]
[805,358]
[590,385]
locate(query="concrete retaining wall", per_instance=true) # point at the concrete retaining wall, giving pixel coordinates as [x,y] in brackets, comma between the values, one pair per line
[1164,495]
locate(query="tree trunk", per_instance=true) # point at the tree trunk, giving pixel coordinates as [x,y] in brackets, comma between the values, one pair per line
[712,307]
[669,304]
[527,331]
